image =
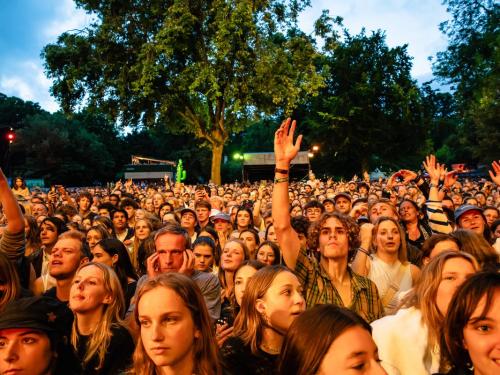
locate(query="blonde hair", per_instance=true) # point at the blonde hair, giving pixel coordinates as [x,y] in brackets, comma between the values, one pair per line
[138,242]
[206,355]
[111,316]
[249,323]
[402,251]
[424,293]
[221,272]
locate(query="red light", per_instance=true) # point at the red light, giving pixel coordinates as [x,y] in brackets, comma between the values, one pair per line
[11,136]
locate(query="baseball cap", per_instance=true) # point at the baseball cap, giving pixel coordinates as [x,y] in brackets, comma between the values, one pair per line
[464,209]
[342,194]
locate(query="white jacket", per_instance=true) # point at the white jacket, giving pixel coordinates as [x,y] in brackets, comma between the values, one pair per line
[402,341]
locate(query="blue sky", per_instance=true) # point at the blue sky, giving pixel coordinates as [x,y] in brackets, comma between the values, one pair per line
[28,25]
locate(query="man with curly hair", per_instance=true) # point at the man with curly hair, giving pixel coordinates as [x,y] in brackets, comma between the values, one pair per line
[334,236]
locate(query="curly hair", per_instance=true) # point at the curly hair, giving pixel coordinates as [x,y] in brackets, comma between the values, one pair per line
[349,224]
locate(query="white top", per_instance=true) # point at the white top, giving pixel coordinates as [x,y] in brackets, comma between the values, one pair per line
[402,342]
[383,274]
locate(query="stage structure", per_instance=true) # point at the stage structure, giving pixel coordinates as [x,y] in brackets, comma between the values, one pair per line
[143,168]
[260,166]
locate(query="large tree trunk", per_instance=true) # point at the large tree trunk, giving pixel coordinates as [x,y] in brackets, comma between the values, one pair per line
[215,176]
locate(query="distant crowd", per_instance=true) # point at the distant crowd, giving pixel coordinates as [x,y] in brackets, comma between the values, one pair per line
[387,276]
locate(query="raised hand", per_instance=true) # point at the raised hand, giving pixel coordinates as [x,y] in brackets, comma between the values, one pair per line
[187,267]
[366,177]
[450,178]
[495,173]
[284,148]
[407,175]
[153,265]
[434,169]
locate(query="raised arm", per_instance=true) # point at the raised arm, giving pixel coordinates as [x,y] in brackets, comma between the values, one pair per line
[15,219]
[285,150]
[495,173]
[12,242]
[438,220]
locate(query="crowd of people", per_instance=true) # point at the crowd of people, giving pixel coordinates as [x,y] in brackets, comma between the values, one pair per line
[387,276]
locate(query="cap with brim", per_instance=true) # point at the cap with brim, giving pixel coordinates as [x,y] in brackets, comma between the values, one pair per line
[328,200]
[464,209]
[184,210]
[38,313]
[221,216]
[342,194]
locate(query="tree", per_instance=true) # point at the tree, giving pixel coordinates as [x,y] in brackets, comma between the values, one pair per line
[369,112]
[60,151]
[470,64]
[206,67]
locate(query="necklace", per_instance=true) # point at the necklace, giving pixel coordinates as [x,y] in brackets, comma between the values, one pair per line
[268,349]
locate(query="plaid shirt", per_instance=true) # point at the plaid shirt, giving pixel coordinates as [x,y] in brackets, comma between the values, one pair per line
[319,289]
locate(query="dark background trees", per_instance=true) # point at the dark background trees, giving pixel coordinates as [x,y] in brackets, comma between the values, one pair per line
[471,65]
[207,68]
[208,79]
[369,114]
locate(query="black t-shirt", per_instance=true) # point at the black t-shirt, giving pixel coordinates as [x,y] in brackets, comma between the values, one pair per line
[238,359]
[118,355]
[129,292]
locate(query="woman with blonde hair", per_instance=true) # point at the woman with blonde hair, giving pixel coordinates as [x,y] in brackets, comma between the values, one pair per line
[142,230]
[99,337]
[32,236]
[234,253]
[388,265]
[176,333]
[271,302]
[409,340]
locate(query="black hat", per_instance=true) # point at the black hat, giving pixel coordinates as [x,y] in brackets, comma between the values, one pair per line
[39,313]
[187,209]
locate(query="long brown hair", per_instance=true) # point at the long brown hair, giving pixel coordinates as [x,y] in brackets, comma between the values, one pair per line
[111,316]
[10,279]
[462,306]
[477,246]
[206,356]
[249,324]
[311,335]
[424,293]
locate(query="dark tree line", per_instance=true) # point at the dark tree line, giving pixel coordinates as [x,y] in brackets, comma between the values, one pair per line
[192,85]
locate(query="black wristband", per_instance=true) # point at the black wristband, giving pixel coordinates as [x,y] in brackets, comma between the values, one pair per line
[282,171]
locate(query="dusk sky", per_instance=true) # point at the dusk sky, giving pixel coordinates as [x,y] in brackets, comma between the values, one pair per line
[28,25]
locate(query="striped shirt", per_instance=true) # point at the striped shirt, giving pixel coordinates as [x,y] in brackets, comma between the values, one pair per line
[438,221]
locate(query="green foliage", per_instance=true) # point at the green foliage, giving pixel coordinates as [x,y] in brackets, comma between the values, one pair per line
[369,113]
[14,111]
[58,150]
[471,65]
[205,67]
